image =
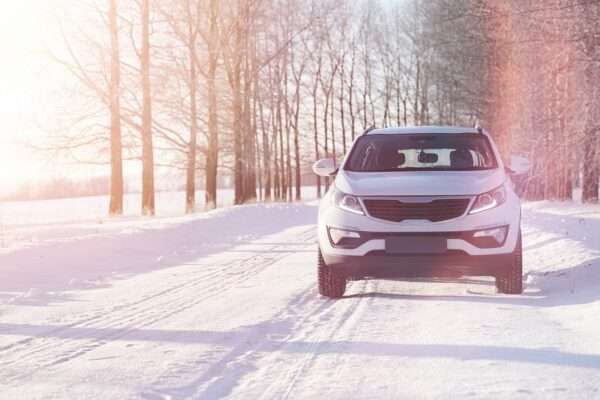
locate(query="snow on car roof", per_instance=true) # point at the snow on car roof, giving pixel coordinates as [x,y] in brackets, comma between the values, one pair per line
[422,129]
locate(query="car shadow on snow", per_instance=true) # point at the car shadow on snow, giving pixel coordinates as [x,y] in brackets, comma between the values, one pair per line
[569,286]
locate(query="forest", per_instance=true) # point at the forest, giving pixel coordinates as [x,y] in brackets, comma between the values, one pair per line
[249,93]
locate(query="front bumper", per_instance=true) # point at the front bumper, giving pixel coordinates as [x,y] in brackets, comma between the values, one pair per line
[462,257]
[452,264]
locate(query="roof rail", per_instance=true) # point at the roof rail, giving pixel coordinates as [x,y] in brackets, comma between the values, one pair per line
[369,129]
[478,127]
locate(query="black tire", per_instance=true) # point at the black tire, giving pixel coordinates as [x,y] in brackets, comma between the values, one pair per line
[512,281]
[331,284]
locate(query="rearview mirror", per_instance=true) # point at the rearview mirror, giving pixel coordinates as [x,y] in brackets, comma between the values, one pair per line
[427,158]
[324,167]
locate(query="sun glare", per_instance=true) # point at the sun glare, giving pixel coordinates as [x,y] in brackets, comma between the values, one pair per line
[22,29]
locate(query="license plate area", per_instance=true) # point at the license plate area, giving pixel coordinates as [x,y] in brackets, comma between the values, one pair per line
[416,245]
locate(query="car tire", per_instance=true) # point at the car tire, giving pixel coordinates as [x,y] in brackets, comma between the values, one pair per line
[331,283]
[512,281]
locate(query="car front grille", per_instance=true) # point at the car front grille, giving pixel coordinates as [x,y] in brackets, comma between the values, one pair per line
[435,210]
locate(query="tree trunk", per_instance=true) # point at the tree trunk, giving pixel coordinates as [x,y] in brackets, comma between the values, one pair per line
[332,119]
[297,168]
[417,94]
[266,153]
[257,151]
[298,171]
[249,146]
[190,187]
[116,151]
[277,174]
[147,147]
[326,134]
[591,170]
[341,103]
[282,172]
[351,94]
[590,167]
[212,151]
[316,134]
[238,134]
[288,127]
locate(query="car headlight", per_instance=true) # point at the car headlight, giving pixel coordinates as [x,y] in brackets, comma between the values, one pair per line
[346,202]
[489,200]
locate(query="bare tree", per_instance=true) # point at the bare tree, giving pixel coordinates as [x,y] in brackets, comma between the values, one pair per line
[262,89]
[148,206]
[192,33]
[212,153]
[116,156]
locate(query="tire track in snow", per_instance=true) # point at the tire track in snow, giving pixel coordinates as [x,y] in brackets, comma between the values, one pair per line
[99,314]
[347,317]
[305,307]
[250,347]
[214,273]
[215,283]
[350,325]
[151,313]
[143,321]
[307,319]
[114,311]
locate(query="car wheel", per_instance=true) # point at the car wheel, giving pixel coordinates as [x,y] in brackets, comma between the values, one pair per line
[331,283]
[512,281]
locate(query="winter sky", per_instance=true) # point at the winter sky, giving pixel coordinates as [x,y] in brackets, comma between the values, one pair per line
[21,85]
[30,84]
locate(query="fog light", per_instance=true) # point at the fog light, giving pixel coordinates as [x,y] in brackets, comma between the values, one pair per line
[337,235]
[498,234]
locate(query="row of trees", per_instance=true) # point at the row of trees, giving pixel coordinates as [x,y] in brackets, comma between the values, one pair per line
[257,90]
[549,92]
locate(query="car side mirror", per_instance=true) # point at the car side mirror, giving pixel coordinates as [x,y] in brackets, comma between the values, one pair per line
[325,167]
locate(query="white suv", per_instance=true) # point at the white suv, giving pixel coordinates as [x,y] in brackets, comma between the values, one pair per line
[421,202]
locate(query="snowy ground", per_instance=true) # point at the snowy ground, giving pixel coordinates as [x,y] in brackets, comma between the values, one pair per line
[224,304]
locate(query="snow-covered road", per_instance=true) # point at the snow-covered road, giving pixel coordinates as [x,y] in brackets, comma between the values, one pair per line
[225,305]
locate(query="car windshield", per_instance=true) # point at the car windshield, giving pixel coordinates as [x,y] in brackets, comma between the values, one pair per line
[421,152]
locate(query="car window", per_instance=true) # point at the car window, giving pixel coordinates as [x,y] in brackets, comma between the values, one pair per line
[389,152]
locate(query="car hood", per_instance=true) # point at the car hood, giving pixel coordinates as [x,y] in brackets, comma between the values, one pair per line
[419,183]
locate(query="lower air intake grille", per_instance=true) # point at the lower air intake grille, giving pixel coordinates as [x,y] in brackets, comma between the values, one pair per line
[435,210]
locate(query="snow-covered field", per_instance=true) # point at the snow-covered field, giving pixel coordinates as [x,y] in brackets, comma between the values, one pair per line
[224,304]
